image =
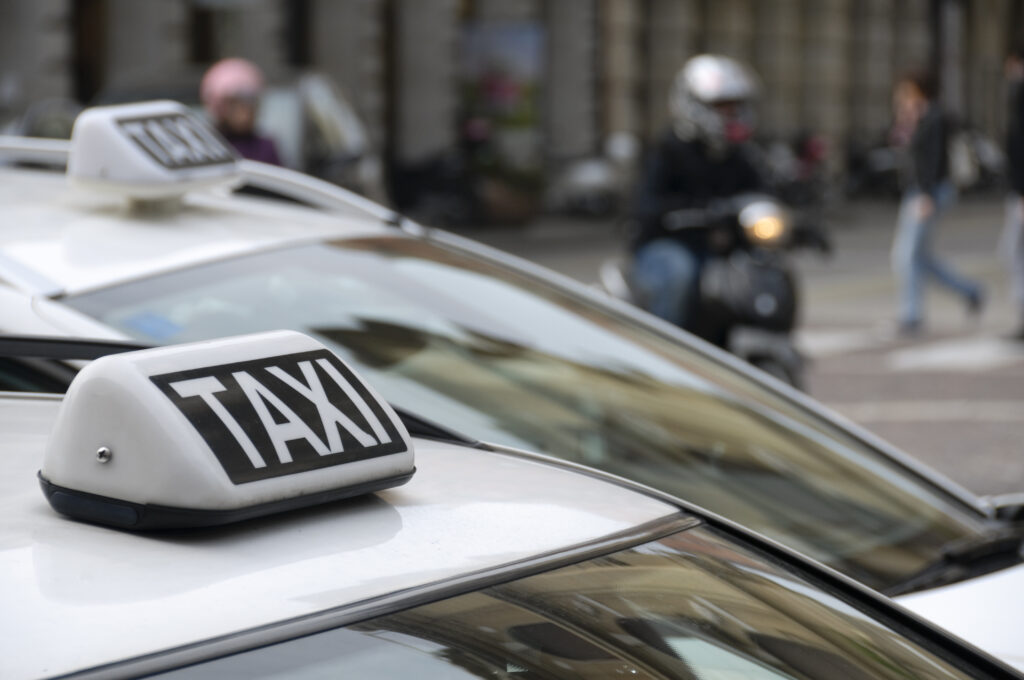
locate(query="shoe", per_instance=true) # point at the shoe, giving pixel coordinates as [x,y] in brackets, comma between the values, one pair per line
[975,303]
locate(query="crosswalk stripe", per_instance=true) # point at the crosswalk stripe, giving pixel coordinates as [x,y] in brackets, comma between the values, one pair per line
[933,411]
[820,343]
[976,353]
[962,354]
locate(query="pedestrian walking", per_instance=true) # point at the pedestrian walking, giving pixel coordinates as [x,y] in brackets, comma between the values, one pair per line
[1012,241]
[927,193]
[230,91]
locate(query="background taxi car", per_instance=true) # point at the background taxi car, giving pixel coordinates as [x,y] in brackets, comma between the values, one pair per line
[501,350]
[480,562]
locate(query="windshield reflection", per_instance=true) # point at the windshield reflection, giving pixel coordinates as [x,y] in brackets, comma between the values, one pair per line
[693,605]
[506,359]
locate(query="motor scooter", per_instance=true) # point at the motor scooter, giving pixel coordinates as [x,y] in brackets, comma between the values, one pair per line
[748,297]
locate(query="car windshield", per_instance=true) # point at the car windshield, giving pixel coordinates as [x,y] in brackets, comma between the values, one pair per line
[501,356]
[692,605]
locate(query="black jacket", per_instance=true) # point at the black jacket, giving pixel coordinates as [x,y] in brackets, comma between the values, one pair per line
[682,174]
[1015,139]
[929,152]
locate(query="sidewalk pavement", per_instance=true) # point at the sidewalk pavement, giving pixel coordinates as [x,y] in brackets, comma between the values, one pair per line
[954,396]
[857,286]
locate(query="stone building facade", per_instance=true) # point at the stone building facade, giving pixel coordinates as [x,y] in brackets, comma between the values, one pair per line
[827,65]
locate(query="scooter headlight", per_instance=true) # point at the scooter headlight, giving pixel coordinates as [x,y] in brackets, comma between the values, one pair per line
[765,223]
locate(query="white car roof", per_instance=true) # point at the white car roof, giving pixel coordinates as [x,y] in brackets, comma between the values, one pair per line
[67,239]
[984,610]
[77,596]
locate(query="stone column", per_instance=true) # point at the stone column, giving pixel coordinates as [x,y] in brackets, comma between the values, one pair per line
[826,35]
[987,48]
[730,28]
[871,69]
[621,67]
[426,45]
[952,30]
[144,39]
[570,112]
[35,47]
[507,10]
[347,42]
[778,59]
[912,29]
[254,31]
[673,28]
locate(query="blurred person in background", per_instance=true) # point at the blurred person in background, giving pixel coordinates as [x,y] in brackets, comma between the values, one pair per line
[928,191]
[1013,238]
[230,92]
[697,162]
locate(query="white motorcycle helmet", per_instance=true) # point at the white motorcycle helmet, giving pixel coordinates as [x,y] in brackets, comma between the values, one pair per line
[712,98]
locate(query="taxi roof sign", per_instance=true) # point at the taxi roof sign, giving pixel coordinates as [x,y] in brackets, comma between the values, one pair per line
[218,431]
[148,150]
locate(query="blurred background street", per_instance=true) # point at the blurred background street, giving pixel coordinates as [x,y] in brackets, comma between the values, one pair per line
[953,397]
[525,124]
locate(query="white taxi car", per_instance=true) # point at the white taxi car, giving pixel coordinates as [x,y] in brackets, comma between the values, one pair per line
[141,238]
[195,529]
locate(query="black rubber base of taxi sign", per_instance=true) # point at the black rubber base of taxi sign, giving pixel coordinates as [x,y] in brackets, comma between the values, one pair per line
[121,514]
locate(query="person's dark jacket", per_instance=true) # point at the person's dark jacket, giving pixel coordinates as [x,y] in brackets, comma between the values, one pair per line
[1015,139]
[683,174]
[254,147]
[929,152]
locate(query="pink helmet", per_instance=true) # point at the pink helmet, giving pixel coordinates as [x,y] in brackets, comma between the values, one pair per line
[229,78]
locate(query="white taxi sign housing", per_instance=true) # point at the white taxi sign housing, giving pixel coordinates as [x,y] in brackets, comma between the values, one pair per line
[218,431]
[148,150]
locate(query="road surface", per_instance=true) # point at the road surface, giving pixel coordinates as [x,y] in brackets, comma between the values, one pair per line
[953,397]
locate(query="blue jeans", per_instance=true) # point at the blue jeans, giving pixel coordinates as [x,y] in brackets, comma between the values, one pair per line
[914,261]
[667,275]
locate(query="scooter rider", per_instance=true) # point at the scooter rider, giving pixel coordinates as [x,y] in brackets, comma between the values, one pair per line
[699,162]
